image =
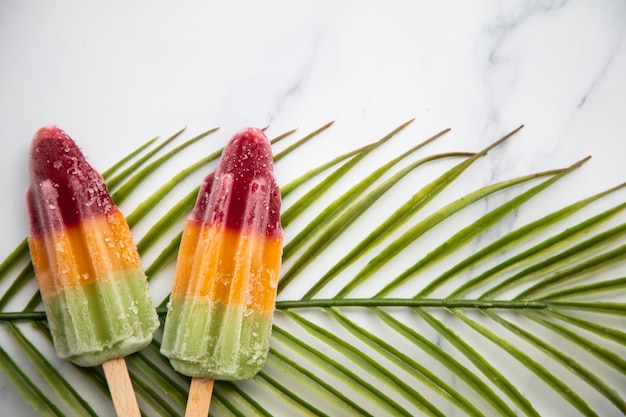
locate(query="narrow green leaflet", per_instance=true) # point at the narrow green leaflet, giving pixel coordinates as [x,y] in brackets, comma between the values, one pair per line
[332,221]
[413,233]
[405,212]
[531,322]
[121,193]
[27,387]
[52,377]
[298,207]
[336,207]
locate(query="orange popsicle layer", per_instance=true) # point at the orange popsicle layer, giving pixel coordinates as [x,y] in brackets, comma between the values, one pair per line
[239,269]
[96,248]
[92,284]
[220,314]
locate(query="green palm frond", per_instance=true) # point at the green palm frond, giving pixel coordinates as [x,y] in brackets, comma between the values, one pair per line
[384,309]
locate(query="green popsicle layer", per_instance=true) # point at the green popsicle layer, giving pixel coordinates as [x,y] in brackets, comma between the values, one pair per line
[212,340]
[110,318]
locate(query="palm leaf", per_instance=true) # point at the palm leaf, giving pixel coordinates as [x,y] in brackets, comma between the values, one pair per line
[414,313]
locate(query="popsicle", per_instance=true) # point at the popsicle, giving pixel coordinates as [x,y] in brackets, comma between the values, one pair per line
[222,303]
[90,277]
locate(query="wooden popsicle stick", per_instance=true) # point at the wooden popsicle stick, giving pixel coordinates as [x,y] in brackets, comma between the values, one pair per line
[199,399]
[121,388]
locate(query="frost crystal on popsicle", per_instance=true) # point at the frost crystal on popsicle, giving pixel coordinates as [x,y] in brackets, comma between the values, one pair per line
[222,303]
[90,277]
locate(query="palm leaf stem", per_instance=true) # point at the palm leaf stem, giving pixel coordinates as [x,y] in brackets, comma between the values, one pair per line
[455,367]
[112,183]
[413,233]
[355,302]
[341,222]
[411,366]
[485,366]
[310,197]
[568,362]
[409,302]
[546,376]
[23,315]
[467,233]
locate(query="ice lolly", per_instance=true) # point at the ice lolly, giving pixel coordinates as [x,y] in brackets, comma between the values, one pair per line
[92,284]
[221,308]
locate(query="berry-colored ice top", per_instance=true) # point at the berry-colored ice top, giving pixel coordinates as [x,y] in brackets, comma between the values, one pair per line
[79,190]
[245,166]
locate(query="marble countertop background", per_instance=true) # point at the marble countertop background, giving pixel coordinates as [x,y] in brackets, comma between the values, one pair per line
[114,74]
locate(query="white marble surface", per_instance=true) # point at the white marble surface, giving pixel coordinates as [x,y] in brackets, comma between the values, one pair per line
[113,74]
